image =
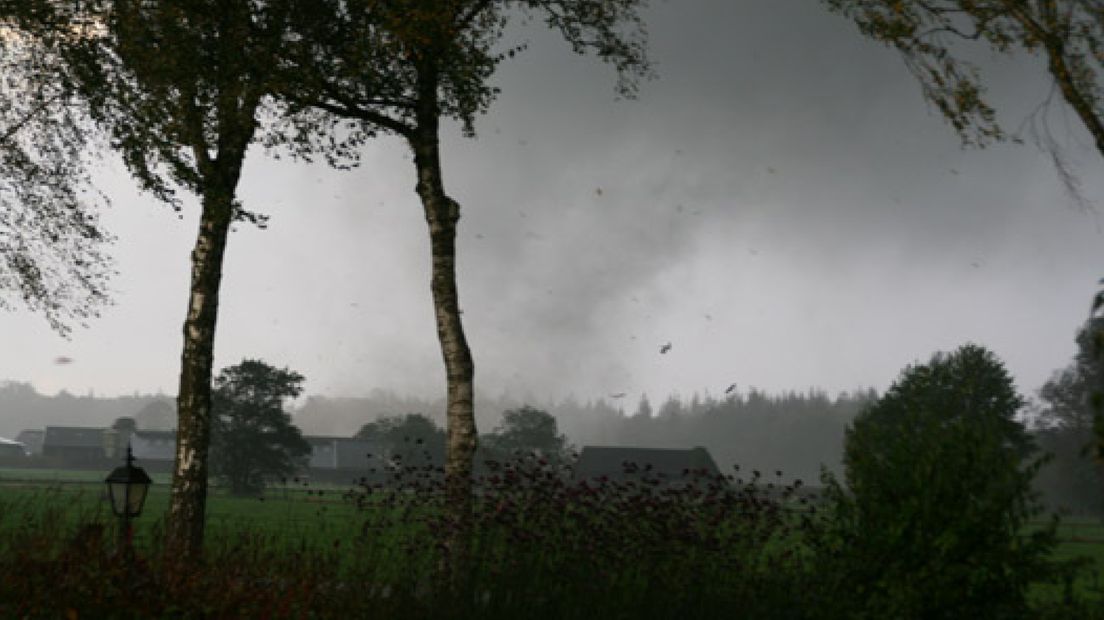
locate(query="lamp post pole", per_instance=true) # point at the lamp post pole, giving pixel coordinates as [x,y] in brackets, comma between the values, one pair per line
[124,531]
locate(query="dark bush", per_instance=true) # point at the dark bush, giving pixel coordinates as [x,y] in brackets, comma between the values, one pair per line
[933,521]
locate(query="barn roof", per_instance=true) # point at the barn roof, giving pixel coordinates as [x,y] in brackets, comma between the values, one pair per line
[626,462]
[74,437]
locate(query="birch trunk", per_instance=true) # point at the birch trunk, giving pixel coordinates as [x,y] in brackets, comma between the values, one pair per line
[442,214]
[187,504]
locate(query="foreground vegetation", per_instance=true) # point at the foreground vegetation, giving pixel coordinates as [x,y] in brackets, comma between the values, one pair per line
[544,547]
[935,518]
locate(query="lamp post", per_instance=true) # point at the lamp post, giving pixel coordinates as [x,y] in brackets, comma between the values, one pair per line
[126,487]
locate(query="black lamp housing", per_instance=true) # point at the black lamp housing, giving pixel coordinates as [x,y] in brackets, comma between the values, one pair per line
[127,487]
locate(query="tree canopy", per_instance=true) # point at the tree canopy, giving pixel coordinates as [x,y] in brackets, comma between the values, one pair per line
[1068,396]
[252,436]
[53,256]
[413,438]
[526,430]
[938,493]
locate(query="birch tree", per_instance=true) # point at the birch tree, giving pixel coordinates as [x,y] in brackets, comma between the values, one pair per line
[180,87]
[400,67]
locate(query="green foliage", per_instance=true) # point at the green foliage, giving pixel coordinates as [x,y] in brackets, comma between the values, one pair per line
[52,256]
[526,430]
[1067,418]
[939,478]
[180,87]
[412,440]
[399,65]
[251,436]
[920,31]
[1068,396]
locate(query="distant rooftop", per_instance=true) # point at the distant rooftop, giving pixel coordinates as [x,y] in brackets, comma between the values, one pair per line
[623,463]
[74,437]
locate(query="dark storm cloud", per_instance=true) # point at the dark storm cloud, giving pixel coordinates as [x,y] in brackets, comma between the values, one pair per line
[773,123]
[780,205]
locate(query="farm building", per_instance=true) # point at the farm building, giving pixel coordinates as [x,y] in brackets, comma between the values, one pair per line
[623,464]
[31,440]
[150,446]
[76,444]
[11,448]
[343,453]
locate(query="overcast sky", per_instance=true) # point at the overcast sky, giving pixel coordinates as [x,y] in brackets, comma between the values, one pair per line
[780,205]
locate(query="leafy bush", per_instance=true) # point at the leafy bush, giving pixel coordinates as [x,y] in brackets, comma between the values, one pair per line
[546,547]
[932,522]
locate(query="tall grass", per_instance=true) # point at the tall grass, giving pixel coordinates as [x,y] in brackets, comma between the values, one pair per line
[543,547]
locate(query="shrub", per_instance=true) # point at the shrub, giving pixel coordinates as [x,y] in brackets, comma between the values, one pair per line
[932,522]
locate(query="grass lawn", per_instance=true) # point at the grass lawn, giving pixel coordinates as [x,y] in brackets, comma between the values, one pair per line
[292,514]
[1082,539]
[12,474]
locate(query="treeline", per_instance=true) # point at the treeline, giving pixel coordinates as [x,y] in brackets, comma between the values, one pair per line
[23,407]
[792,432]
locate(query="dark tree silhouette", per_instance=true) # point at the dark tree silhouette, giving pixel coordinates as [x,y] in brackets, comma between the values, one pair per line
[526,430]
[414,438]
[939,475]
[252,437]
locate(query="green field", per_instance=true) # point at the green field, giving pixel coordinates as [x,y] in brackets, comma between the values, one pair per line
[293,513]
